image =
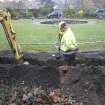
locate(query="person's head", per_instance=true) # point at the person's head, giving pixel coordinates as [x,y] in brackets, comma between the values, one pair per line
[62,26]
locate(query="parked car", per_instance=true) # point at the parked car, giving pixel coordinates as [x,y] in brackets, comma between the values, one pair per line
[54,15]
[100,13]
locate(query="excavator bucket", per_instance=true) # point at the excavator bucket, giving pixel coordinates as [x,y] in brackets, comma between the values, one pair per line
[5,19]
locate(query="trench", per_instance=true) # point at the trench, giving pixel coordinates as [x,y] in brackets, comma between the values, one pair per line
[84,82]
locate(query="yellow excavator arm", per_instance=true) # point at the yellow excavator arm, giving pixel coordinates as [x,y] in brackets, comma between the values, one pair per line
[5,20]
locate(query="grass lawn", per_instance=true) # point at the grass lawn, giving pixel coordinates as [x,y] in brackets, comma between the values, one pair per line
[40,35]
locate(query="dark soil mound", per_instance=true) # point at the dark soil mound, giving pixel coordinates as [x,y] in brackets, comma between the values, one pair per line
[84,82]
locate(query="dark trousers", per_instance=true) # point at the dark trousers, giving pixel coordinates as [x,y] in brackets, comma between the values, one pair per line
[69,57]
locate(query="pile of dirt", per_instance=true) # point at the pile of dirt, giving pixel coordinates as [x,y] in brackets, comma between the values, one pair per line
[84,82]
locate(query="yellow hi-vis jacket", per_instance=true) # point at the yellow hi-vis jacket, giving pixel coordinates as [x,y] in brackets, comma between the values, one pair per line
[68,41]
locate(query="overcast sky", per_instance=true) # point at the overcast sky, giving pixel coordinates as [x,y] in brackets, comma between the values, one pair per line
[58,1]
[13,0]
[9,0]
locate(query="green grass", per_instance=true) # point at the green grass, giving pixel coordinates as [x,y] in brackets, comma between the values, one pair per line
[90,32]
[27,32]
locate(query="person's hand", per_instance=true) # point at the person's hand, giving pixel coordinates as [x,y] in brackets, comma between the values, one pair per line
[57,46]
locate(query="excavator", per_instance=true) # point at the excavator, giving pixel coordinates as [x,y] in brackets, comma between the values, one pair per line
[5,20]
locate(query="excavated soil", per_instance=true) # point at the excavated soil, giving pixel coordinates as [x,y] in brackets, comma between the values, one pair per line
[84,82]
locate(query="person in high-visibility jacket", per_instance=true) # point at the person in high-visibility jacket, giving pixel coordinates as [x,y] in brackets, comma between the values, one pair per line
[68,43]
